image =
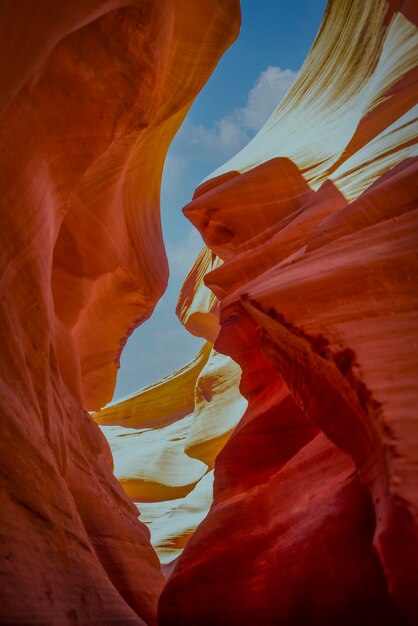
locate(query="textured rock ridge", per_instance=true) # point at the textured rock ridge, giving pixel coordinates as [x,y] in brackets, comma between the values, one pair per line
[92,93]
[315,513]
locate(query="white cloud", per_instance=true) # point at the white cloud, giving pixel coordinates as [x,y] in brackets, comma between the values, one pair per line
[225,137]
[228,135]
[269,89]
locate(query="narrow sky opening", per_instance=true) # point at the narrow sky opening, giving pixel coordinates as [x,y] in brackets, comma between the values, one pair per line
[244,89]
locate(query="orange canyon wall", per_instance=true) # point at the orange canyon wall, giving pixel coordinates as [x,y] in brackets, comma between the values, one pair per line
[315,223]
[92,93]
[293,433]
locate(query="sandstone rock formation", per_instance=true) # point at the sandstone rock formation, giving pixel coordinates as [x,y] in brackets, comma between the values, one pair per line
[315,514]
[165,440]
[92,93]
[291,440]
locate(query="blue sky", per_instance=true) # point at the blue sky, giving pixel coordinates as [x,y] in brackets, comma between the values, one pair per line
[244,89]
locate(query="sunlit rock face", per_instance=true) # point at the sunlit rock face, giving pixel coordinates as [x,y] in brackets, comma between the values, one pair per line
[92,92]
[315,513]
[165,438]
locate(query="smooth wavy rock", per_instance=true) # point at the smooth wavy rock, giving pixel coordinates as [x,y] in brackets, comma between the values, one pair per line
[173,522]
[161,403]
[197,306]
[92,93]
[165,439]
[315,514]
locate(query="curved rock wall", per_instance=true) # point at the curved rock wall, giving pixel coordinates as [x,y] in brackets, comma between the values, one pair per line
[92,93]
[315,513]
[297,418]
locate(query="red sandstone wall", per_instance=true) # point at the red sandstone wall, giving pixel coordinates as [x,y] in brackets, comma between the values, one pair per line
[92,94]
[315,514]
[315,494]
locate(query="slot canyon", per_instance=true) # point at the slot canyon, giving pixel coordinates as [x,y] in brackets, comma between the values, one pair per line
[273,479]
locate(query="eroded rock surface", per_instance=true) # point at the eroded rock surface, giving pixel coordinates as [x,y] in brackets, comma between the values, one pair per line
[291,439]
[91,95]
[315,513]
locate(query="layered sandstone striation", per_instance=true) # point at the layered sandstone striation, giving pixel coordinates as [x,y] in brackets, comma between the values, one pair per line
[290,442]
[92,93]
[315,513]
[165,440]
